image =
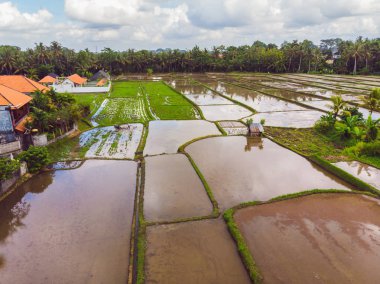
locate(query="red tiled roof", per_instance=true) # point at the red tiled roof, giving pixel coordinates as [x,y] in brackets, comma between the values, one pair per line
[77,79]
[21,83]
[21,125]
[12,97]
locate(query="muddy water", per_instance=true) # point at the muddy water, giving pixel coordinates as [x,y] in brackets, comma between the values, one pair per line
[192,252]
[165,136]
[297,119]
[224,112]
[242,169]
[173,189]
[69,226]
[193,89]
[327,238]
[365,172]
[320,104]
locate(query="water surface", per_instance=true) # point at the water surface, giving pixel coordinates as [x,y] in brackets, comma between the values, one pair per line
[364,172]
[324,238]
[70,226]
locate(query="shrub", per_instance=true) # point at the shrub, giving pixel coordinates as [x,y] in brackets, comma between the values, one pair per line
[7,168]
[367,149]
[36,158]
[325,123]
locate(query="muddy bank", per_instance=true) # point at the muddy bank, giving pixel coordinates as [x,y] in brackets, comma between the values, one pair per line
[166,136]
[240,169]
[173,189]
[69,226]
[192,252]
[326,238]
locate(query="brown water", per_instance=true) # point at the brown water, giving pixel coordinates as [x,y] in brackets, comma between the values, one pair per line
[173,189]
[365,172]
[326,238]
[165,136]
[69,226]
[240,169]
[297,119]
[192,252]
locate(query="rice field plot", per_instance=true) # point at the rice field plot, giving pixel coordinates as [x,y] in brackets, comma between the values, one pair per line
[318,238]
[107,142]
[122,110]
[233,127]
[167,104]
[93,100]
[125,89]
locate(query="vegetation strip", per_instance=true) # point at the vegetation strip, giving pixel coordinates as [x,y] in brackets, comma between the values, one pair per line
[248,260]
[221,129]
[141,238]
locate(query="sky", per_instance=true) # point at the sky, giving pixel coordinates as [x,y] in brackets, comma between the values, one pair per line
[148,24]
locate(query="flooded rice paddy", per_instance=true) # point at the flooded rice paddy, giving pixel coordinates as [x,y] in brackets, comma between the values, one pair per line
[210,99]
[70,226]
[240,169]
[224,112]
[108,142]
[166,136]
[370,175]
[173,189]
[297,119]
[324,238]
[193,252]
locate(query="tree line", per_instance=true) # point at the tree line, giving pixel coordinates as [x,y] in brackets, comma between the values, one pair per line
[330,56]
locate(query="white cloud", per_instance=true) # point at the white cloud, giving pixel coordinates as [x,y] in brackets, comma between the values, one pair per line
[123,24]
[12,19]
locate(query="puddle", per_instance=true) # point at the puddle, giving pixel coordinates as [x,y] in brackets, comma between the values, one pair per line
[296,119]
[240,169]
[192,252]
[362,171]
[69,226]
[108,142]
[173,189]
[224,112]
[166,136]
[325,238]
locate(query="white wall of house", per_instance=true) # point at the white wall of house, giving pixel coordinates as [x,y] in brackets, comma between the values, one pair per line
[66,87]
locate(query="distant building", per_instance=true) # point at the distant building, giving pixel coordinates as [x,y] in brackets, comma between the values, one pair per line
[48,80]
[77,80]
[100,75]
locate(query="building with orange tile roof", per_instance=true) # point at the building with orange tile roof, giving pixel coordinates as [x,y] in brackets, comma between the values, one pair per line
[21,84]
[17,102]
[77,80]
[48,80]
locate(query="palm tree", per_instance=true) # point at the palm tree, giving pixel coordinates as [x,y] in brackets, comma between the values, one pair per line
[356,51]
[8,56]
[372,101]
[337,105]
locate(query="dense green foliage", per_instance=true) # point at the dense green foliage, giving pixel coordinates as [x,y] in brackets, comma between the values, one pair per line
[360,56]
[54,112]
[8,167]
[36,158]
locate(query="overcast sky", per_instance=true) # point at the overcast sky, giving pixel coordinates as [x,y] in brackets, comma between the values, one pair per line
[148,24]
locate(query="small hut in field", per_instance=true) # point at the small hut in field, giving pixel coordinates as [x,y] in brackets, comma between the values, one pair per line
[255,129]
